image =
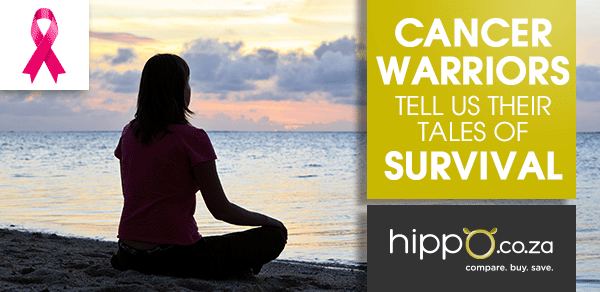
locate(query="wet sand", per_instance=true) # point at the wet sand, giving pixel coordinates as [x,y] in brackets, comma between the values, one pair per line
[47,262]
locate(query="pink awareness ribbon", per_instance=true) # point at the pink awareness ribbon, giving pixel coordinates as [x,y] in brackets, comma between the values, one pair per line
[44,52]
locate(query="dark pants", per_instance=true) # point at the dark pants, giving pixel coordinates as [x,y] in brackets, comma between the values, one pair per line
[209,258]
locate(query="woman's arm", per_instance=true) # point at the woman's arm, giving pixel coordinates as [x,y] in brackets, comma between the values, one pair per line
[218,204]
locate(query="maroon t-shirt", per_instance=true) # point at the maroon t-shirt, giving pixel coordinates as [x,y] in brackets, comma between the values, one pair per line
[159,186]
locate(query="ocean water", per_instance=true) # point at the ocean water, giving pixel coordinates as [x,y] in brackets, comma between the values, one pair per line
[68,183]
[588,211]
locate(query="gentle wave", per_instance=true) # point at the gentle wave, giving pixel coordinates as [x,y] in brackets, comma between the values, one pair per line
[69,183]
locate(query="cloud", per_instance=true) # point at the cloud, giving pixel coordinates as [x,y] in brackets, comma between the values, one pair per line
[16,95]
[220,70]
[332,68]
[345,45]
[588,83]
[333,73]
[58,111]
[123,56]
[97,109]
[269,95]
[125,38]
[223,122]
[330,71]
[218,67]
[119,82]
[39,105]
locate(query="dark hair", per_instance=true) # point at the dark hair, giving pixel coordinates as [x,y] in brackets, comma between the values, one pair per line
[161,99]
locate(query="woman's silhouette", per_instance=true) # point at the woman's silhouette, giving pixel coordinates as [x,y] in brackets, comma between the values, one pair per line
[164,162]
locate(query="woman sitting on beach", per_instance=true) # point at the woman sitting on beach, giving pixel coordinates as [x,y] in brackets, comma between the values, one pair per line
[164,162]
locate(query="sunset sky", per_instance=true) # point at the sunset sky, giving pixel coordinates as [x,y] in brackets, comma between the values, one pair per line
[588,66]
[256,65]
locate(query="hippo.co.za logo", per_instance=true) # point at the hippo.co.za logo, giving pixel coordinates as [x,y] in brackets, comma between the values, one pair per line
[505,247]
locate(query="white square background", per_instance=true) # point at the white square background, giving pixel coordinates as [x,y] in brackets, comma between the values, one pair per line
[71,46]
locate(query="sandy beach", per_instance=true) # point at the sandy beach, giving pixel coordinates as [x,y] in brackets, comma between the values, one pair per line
[46,262]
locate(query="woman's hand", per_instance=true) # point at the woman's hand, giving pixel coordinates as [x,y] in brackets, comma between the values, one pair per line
[220,207]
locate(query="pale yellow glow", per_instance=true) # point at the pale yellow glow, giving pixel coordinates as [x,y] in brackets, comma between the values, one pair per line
[282,25]
[104,23]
